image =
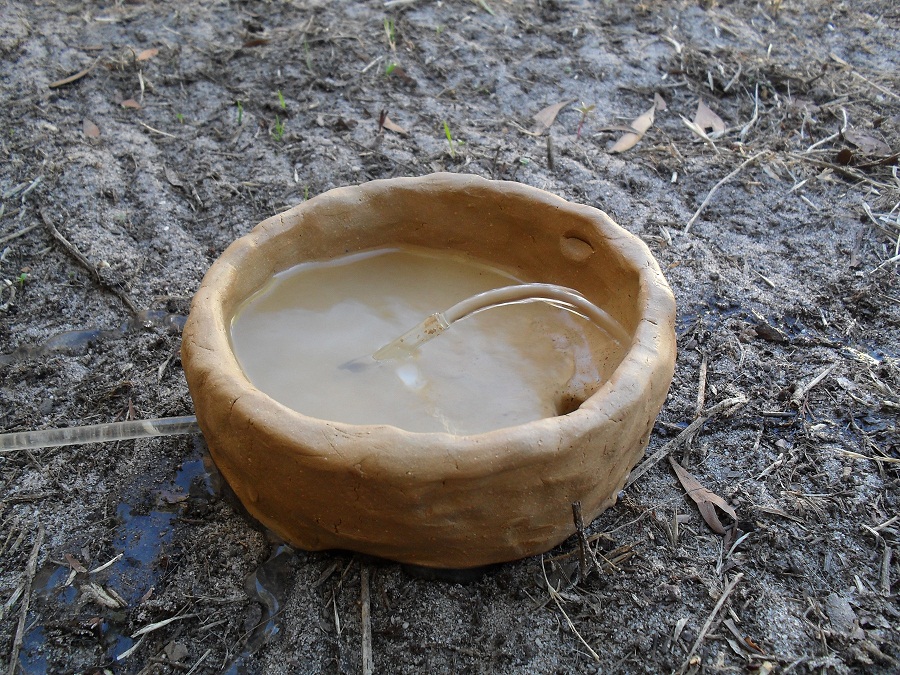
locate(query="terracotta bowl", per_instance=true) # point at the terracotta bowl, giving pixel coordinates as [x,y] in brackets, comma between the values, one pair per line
[434,499]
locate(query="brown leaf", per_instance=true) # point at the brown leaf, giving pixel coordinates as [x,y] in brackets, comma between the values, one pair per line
[707,119]
[390,125]
[626,142]
[704,498]
[130,103]
[644,122]
[75,564]
[844,157]
[172,177]
[147,54]
[256,42]
[546,117]
[699,131]
[867,144]
[632,138]
[90,129]
[169,497]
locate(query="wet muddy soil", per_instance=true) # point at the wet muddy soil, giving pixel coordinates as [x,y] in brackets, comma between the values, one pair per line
[139,139]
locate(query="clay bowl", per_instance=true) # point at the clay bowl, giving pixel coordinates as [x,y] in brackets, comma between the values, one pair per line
[434,499]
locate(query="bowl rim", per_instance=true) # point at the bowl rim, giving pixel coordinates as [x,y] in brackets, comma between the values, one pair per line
[210,355]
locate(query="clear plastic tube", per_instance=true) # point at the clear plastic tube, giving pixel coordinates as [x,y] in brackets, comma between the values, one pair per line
[98,433]
[560,296]
[432,326]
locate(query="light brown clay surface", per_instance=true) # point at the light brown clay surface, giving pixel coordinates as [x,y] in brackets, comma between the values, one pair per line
[434,499]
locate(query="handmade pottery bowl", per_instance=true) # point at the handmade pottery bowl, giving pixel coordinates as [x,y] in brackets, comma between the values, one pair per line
[434,499]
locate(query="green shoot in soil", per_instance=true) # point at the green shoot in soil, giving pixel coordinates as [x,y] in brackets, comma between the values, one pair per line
[486,7]
[449,139]
[281,100]
[278,131]
[390,30]
[240,112]
[390,68]
[585,110]
[179,117]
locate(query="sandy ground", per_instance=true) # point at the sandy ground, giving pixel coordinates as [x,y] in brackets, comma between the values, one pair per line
[151,135]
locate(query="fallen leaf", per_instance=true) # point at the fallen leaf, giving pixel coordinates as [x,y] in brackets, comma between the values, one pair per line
[866,143]
[130,103]
[644,122]
[699,131]
[400,73]
[172,177]
[75,564]
[96,593]
[704,498]
[546,117]
[175,652]
[626,142]
[147,54]
[90,129]
[707,119]
[390,125]
[640,125]
[844,157]
[169,497]
[256,42]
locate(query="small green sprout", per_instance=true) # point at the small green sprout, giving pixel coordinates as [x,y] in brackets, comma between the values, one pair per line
[179,117]
[281,100]
[390,31]
[585,110]
[389,68]
[486,7]
[449,139]
[306,193]
[21,279]
[278,131]
[240,112]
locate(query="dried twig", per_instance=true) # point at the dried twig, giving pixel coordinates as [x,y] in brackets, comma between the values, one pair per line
[199,661]
[157,131]
[77,76]
[30,570]
[728,404]
[16,235]
[804,390]
[885,581]
[555,595]
[585,557]
[701,388]
[884,91]
[149,628]
[79,256]
[746,162]
[833,136]
[368,663]
[703,631]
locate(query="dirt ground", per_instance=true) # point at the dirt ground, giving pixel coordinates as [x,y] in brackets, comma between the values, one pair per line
[151,135]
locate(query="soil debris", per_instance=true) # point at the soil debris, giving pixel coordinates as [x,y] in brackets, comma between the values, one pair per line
[778,229]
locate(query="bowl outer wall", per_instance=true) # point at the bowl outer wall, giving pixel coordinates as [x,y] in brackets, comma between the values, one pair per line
[433,499]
